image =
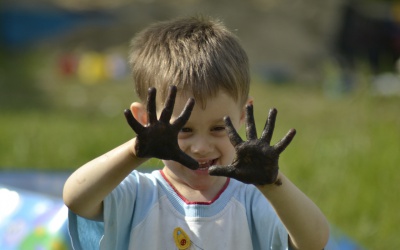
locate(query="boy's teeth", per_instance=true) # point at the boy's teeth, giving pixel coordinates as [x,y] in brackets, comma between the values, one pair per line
[205,164]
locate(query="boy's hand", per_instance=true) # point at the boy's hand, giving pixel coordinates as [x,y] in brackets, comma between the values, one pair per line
[256,161]
[159,138]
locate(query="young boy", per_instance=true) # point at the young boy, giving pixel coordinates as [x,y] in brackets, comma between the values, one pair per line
[215,191]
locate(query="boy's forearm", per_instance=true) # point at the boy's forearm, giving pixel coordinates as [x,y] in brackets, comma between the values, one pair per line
[85,190]
[306,224]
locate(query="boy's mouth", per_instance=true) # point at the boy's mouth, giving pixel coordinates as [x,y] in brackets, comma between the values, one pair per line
[204,165]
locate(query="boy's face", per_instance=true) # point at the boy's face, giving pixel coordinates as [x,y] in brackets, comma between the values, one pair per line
[204,137]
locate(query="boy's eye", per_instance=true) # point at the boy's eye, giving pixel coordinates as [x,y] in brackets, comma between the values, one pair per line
[186,130]
[219,128]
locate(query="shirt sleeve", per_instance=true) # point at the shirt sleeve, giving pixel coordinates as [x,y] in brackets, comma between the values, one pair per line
[84,233]
[123,209]
[267,230]
[118,206]
[126,207]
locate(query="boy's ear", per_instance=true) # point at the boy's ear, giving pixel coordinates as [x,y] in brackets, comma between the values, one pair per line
[243,114]
[139,112]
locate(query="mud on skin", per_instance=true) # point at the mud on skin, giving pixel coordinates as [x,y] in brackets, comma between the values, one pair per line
[256,161]
[159,138]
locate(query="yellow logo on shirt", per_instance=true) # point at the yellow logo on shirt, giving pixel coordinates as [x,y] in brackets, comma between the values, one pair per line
[182,240]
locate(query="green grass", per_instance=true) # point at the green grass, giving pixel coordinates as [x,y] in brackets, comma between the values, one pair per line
[345,155]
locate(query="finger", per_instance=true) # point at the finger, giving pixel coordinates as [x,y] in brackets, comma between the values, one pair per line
[251,132]
[228,171]
[233,135]
[135,125]
[185,115]
[169,105]
[282,144]
[151,106]
[187,161]
[269,126]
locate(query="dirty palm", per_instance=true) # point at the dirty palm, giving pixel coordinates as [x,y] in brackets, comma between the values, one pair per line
[255,162]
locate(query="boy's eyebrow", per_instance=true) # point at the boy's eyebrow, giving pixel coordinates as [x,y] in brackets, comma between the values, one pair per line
[218,120]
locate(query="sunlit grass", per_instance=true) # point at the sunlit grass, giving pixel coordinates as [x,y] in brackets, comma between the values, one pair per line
[345,157]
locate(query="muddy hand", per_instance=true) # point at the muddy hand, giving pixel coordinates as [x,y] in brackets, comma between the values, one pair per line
[159,138]
[256,161]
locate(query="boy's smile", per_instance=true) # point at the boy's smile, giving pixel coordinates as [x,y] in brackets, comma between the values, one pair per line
[204,139]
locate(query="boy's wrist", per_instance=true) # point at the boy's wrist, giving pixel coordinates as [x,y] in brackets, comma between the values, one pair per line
[132,146]
[272,186]
[132,151]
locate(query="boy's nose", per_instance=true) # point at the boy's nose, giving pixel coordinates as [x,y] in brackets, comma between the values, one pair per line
[201,145]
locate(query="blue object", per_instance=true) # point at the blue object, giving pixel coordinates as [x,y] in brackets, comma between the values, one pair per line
[30,220]
[33,215]
[32,212]
[22,26]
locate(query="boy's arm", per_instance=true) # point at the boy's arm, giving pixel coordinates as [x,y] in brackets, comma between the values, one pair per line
[304,221]
[85,190]
[256,162]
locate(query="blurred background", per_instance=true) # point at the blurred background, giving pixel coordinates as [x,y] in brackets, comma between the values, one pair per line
[330,68]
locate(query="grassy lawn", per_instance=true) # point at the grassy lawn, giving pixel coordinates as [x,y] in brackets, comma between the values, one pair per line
[345,155]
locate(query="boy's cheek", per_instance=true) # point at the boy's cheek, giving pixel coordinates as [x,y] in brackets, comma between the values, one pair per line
[182,136]
[228,150]
[183,142]
[227,158]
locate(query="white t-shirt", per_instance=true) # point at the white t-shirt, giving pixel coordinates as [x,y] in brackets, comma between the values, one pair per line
[146,212]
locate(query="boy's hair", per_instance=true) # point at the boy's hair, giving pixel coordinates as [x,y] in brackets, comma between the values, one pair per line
[197,54]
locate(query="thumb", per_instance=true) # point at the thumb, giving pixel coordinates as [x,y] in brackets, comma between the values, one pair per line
[228,171]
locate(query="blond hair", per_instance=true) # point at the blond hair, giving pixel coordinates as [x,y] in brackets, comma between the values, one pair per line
[199,55]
